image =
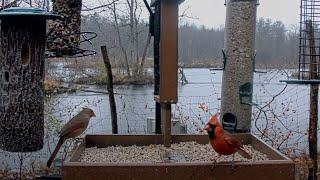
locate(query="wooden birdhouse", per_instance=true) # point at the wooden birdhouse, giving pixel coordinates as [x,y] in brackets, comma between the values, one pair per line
[168,89]
[22,55]
[65,36]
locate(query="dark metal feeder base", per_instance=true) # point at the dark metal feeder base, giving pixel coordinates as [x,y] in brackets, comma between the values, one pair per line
[278,167]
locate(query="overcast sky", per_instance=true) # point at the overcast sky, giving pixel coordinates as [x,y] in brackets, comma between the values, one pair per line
[212,12]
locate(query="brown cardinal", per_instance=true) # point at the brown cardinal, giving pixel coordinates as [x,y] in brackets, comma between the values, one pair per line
[222,141]
[75,127]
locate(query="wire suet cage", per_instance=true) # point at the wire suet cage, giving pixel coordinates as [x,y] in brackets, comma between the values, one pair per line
[309,44]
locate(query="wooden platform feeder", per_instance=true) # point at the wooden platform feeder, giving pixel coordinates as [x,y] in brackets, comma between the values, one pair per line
[23,37]
[278,167]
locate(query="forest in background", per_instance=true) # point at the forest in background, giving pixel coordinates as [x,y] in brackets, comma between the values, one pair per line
[201,46]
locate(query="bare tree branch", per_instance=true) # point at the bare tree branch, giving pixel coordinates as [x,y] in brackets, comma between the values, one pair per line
[102,6]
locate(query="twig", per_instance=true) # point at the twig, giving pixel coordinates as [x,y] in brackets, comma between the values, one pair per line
[102,6]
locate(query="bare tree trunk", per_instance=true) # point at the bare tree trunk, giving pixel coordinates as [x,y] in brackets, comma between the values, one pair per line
[132,39]
[313,123]
[144,56]
[136,36]
[113,107]
[120,41]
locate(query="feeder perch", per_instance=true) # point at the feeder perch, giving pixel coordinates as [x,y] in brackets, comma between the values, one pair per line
[245,93]
[65,35]
[225,58]
[239,50]
[23,37]
[229,122]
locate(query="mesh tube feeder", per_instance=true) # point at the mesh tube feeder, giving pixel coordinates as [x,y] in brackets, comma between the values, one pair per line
[23,37]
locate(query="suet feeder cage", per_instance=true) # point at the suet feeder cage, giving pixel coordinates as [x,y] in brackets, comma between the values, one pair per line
[23,39]
[309,48]
[65,37]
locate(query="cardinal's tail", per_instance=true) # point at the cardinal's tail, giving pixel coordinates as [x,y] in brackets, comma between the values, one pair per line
[244,154]
[54,153]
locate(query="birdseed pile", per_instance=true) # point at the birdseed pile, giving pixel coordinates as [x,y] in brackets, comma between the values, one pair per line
[182,152]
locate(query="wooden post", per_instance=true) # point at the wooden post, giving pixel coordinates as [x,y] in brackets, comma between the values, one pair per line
[168,91]
[169,52]
[166,124]
[113,107]
[314,93]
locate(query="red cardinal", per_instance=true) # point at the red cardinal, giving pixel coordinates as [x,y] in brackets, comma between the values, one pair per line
[223,142]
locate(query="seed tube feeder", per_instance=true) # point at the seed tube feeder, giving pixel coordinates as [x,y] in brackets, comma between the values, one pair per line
[67,30]
[239,53]
[65,34]
[23,37]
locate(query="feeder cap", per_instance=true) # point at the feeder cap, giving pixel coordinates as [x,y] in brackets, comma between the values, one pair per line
[27,12]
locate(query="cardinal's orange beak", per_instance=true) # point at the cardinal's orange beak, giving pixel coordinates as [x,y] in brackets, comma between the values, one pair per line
[206,128]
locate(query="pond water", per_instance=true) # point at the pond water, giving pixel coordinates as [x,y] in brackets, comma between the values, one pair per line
[286,113]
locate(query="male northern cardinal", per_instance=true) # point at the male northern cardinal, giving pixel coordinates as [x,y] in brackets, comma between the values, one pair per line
[222,141]
[75,127]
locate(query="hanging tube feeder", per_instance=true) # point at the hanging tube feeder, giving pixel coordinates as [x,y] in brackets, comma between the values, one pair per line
[239,53]
[65,36]
[23,37]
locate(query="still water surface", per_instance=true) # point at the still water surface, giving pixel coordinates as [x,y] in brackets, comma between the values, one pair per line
[135,105]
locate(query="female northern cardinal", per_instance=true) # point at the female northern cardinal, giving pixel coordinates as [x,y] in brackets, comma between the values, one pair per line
[223,142]
[75,127]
